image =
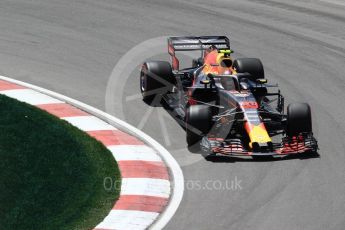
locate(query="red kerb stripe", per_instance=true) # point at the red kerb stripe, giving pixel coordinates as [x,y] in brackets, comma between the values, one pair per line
[114,137]
[63,110]
[4,85]
[143,169]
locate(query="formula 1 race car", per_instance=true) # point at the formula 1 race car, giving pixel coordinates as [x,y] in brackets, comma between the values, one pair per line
[225,104]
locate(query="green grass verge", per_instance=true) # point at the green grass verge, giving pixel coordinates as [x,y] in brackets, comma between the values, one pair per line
[51,173]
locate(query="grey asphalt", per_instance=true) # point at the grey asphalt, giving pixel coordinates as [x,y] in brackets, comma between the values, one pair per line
[72,46]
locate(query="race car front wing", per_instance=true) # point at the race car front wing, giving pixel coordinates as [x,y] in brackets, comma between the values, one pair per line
[303,143]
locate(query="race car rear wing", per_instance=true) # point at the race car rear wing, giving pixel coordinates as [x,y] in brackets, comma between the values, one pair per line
[190,43]
[197,43]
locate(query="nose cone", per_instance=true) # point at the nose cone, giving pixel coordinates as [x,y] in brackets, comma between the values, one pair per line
[258,136]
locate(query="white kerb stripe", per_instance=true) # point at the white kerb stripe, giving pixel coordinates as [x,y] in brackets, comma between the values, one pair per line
[146,187]
[89,123]
[30,96]
[127,219]
[134,153]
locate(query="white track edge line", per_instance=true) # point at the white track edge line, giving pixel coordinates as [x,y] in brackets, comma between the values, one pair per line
[177,175]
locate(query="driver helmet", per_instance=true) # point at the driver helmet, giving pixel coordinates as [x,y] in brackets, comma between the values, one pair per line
[224,64]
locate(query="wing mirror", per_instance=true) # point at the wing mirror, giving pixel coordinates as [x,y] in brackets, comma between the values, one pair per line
[244,85]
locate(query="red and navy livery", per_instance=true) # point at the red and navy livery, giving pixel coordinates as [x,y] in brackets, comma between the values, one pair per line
[226,105]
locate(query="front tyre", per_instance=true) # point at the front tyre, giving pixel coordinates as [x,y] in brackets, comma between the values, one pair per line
[198,124]
[298,119]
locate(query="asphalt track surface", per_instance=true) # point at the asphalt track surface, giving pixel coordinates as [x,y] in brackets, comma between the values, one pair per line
[71,46]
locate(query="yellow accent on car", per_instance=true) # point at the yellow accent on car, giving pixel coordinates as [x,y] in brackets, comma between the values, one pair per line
[227,51]
[259,135]
[261,81]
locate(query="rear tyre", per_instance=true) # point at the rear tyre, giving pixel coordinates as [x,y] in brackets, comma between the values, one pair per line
[253,66]
[298,119]
[198,124]
[156,78]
